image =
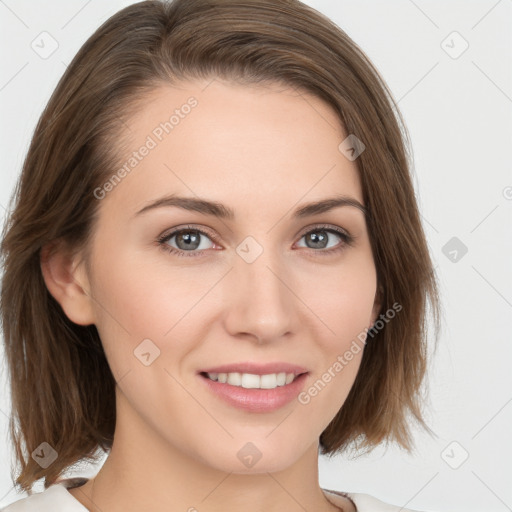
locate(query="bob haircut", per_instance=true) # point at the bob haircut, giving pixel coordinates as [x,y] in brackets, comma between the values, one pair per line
[63,391]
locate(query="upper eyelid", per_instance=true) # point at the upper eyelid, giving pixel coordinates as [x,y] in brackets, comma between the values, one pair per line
[209,233]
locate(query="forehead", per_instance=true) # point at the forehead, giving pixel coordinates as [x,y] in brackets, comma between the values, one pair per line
[251,144]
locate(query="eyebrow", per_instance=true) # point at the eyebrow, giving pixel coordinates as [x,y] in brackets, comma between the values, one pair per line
[222,211]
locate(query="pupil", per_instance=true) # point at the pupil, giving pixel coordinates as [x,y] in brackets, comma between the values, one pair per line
[189,237]
[318,239]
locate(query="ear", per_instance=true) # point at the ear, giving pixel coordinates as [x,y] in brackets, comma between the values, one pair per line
[67,282]
[377,305]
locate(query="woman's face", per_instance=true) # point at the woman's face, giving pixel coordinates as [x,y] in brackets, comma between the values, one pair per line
[264,286]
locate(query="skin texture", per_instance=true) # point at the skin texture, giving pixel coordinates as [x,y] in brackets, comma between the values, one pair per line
[263,151]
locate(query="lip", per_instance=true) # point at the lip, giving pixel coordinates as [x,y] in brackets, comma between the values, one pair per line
[256,400]
[256,368]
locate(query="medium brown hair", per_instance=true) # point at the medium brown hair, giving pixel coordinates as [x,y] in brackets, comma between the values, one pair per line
[63,391]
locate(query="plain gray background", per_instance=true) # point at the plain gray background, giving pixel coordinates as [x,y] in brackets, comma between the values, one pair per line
[448,65]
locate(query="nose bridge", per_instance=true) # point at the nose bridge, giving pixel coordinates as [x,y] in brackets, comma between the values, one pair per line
[260,302]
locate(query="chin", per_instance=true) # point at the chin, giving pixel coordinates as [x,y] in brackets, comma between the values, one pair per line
[259,455]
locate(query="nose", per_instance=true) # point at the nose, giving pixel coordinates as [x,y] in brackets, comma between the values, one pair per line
[259,298]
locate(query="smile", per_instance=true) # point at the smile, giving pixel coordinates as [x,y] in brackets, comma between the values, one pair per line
[252,381]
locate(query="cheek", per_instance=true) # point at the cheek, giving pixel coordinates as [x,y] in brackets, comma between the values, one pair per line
[344,307]
[342,300]
[342,297]
[138,298]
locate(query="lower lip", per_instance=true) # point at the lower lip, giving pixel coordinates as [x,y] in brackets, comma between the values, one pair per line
[257,400]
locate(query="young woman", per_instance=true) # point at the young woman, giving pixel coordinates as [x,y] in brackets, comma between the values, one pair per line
[214,268]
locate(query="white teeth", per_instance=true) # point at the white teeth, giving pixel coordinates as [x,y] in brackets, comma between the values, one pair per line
[289,378]
[281,379]
[235,379]
[268,381]
[251,381]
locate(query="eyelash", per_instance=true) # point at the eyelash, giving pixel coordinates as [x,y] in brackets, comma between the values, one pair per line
[347,240]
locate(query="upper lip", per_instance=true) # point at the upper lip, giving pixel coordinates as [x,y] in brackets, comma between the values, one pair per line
[256,368]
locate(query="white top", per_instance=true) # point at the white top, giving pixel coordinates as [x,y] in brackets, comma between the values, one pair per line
[57,499]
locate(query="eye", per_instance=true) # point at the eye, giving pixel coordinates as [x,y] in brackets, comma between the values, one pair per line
[320,236]
[192,242]
[188,240]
